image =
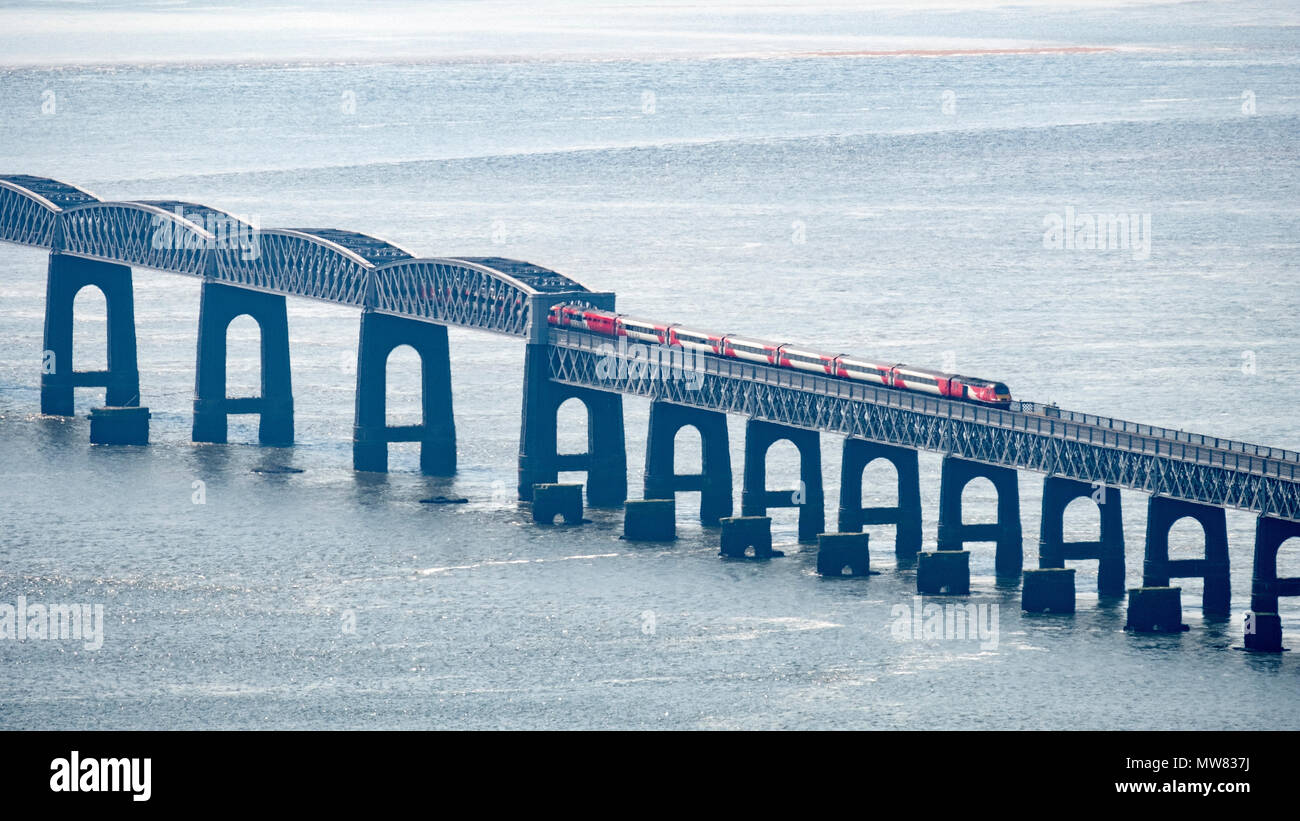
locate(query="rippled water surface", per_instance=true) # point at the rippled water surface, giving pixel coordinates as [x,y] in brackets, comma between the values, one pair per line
[887,205]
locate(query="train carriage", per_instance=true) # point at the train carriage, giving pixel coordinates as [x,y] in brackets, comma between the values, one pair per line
[644,330]
[861,370]
[907,377]
[751,350]
[696,340]
[806,360]
[899,376]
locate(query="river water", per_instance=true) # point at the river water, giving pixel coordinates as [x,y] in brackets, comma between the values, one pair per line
[836,178]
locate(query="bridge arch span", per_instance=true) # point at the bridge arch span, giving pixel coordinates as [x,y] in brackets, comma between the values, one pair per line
[487,293]
[166,235]
[30,208]
[1159,569]
[318,263]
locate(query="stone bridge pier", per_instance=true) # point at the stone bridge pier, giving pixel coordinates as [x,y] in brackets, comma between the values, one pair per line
[714,479]
[1005,532]
[809,498]
[1159,569]
[1264,627]
[219,306]
[1107,550]
[380,335]
[540,461]
[121,380]
[906,516]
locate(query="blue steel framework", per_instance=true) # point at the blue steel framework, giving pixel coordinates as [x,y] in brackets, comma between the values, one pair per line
[1008,438]
[509,297]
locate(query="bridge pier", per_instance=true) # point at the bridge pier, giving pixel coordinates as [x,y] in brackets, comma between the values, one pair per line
[436,433]
[953,534]
[756,499]
[714,479]
[540,461]
[1108,550]
[906,516]
[1158,569]
[219,305]
[66,277]
[1264,630]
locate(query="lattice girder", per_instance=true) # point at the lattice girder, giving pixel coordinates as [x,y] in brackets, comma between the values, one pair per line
[959,429]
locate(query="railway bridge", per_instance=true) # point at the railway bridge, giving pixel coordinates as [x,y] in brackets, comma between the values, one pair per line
[407,300]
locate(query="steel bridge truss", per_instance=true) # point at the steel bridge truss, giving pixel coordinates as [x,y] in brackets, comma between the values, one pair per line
[984,434]
[327,264]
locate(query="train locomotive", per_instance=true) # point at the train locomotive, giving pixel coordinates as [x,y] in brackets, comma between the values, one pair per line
[783,355]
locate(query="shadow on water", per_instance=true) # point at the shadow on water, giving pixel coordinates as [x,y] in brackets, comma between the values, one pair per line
[210,459]
[1007,586]
[1273,663]
[370,488]
[59,432]
[1111,612]
[276,464]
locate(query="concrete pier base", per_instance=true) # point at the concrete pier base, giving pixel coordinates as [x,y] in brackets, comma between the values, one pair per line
[380,335]
[837,552]
[1155,610]
[119,426]
[1158,569]
[1005,532]
[551,500]
[809,498]
[714,479]
[650,520]
[1048,590]
[943,571]
[747,537]
[906,516]
[219,305]
[1264,632]
[67,276]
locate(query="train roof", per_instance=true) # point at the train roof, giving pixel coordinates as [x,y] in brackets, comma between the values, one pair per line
[790,347]
[902,368]
[857,360]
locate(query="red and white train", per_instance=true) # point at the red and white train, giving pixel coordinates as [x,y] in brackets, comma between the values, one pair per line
[783,355]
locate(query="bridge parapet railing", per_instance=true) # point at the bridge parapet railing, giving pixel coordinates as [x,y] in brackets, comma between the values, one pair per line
[1218,443]
[1013,420]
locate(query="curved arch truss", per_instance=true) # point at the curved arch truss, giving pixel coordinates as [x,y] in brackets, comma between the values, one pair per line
[30,207]
[333,265]
[464,291]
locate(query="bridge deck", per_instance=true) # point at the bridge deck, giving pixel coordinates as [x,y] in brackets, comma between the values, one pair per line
[502,296]
[1012,437]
